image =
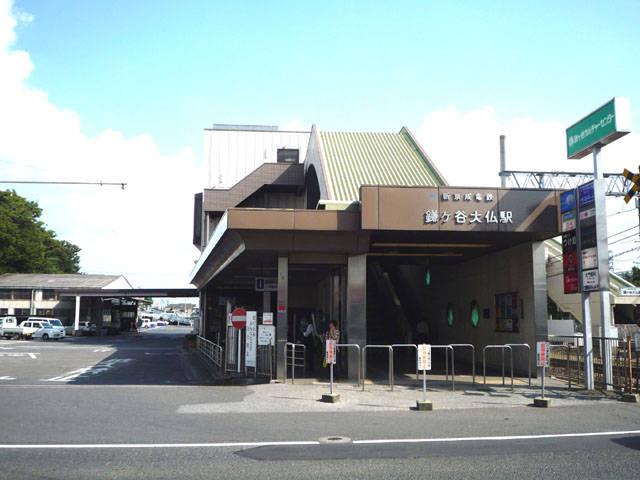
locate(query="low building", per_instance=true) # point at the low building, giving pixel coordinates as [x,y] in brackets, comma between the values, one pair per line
[46,295]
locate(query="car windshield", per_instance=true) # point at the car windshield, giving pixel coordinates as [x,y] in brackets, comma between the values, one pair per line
[55,323]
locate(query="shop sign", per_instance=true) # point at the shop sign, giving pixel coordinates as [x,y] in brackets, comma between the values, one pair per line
[267,318]
[608,123]
[568,221]
[590,280]
[568,201]
[570,267]
[589,258]
[585,195]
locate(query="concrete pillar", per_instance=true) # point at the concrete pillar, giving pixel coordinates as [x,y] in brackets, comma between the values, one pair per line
[355,329]
[281,320]
[76,325]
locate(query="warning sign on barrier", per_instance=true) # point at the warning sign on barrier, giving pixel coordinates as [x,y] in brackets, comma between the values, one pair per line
[424,357]
[542,354]
[331,352]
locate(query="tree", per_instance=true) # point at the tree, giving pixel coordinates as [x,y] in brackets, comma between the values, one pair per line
[26,245]
[632,276]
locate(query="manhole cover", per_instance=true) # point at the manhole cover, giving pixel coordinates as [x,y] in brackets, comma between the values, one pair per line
[333,439]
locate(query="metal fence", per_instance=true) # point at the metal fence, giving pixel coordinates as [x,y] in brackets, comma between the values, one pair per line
[567,362]
[211,351]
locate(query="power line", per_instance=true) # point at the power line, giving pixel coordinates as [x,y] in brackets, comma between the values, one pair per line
[102,184]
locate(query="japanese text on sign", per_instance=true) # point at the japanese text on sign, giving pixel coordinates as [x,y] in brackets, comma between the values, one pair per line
[424,357]
[461,217]
[542,354]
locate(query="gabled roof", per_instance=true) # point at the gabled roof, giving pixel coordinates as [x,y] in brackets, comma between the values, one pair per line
[57,281]
[351,159]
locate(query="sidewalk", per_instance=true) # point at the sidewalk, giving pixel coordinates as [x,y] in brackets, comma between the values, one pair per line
[304,396]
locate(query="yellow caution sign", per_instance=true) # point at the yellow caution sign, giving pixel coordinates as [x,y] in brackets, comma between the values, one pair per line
[635,184]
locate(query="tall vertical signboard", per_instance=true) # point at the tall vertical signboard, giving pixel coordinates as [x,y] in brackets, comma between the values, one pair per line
[570,266]
[588,135]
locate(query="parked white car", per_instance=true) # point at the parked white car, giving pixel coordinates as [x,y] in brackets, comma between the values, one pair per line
[39,329]
[55,323]
[148,323]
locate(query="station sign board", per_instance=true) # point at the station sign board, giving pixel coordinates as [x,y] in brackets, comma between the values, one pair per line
[630,291]
[606,124]
[266,284]
[424,357]
[570,267]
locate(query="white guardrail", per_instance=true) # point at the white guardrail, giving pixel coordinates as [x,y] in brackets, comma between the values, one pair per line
[210,350]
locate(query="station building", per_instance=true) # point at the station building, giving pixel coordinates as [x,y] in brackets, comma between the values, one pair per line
[362,228]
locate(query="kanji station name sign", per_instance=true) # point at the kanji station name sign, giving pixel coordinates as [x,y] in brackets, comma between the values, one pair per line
[458,209]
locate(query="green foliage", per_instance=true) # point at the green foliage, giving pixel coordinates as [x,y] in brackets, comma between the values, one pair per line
[26,245]
[632,276]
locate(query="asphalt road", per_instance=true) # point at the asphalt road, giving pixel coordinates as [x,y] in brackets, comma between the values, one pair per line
[74,412]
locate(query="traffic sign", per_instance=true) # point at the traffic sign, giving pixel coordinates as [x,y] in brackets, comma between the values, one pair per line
[424,357]
[635,184]
[239,318]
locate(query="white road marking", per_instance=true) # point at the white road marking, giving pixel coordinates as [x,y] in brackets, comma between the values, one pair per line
[102,350]
[314,442]
[96,369]
[7,348]
[7,377]
[20,354]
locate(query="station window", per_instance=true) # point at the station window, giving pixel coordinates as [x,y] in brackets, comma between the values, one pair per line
[288,155]
[451,314]
[475,313]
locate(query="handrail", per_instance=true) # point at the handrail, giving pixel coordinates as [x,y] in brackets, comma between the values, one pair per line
[484,363]
[357,347]
[473,357]
[293,359]
[528,347]
[364,363]
[409,345]
[446,361]
[210,350]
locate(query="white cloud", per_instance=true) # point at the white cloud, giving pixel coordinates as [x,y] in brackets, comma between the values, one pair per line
[144,231]
[464,145]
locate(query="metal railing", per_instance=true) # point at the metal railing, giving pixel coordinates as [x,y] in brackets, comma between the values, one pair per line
[473,357]
[567,361]
[290,354]
[364,363]
[264,361]
[408,345]
[528,348]
[484,361]
[448,349]
[210,350]
[357,347]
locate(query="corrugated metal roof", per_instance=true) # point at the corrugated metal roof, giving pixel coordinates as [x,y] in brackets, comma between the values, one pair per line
[63,280]
[363,158]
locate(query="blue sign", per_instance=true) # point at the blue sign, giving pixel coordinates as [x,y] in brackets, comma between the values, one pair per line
[585,194]
[568,201]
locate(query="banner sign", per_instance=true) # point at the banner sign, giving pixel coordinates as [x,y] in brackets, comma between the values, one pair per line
[251,337]
[608,123]
[331,352]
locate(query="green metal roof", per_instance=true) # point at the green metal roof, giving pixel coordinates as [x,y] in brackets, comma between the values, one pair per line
[354,159]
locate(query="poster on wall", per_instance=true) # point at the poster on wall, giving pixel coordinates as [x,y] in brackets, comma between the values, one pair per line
[507,317]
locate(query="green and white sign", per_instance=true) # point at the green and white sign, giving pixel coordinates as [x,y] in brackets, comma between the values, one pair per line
[608,123]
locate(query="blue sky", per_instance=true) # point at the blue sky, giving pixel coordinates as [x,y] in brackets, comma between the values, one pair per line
[121,90]
[171,68]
